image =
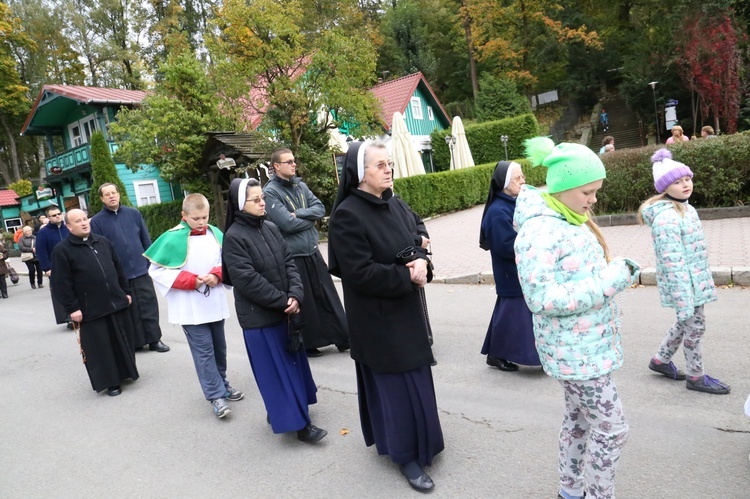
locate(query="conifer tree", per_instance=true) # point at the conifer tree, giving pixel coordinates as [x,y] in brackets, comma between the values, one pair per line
[103,171]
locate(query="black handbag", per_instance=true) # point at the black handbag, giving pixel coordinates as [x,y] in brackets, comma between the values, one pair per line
[294,334]
[13,274]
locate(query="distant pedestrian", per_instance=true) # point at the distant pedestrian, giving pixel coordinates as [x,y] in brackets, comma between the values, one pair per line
[186,268]
[42,221]
[707,132]
[682,271]
[49,236]
[678,135]
[607,141]
[125,228]
[91,285]
[510,335]
[3,270]
[294,209]
[569,283]
[604,120]
[27,245]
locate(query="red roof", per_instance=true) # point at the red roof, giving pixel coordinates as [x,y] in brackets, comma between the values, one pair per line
[8,197]
[87,95]
[394,96]
[96,95]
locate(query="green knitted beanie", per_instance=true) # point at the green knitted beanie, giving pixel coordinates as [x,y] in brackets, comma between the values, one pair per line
[568,165]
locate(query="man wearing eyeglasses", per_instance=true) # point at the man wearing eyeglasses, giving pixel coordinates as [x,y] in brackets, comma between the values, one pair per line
[47,238]
[125,228]
[294,209]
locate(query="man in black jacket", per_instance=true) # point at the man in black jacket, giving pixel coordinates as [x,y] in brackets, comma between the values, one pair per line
[92,288]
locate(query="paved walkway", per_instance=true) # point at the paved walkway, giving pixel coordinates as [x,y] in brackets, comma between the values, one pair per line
[456,252]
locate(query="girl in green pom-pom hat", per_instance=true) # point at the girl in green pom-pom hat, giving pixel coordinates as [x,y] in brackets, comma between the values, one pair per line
[569,283]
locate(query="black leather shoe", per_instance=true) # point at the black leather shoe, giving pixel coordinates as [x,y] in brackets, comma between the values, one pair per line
[313,352]
[344,346]
[422,483]
[158,346]
[502,364]
[311,434]
[114,391]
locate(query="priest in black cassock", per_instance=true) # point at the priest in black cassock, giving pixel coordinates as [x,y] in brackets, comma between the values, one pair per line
[90,284]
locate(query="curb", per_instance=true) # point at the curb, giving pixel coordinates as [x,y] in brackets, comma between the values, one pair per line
[723,276]
[703,213]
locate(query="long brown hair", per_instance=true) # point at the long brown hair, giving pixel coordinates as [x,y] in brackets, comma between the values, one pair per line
[680,207]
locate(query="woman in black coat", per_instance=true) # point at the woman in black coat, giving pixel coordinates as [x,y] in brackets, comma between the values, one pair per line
[510,335]
[267,294]
[27,245]
[369,231]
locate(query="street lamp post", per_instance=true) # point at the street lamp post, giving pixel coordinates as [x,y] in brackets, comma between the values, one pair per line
[450,140]
[656,111]
[504,138]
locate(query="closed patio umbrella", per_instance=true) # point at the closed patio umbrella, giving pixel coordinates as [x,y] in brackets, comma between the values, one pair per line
[406,159]
[461,152]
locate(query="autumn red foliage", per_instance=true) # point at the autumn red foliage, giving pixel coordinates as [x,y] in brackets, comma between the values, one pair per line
[710,61]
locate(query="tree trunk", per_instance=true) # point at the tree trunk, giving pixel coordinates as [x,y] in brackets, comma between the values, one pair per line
[5,173]
[41,156]
[16,171]
[470,45]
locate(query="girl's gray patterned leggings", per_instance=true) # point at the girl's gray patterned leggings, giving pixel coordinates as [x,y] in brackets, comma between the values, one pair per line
[689,334]
[592,436]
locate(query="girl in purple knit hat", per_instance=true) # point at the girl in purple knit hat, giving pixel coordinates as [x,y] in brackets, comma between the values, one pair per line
[682,271]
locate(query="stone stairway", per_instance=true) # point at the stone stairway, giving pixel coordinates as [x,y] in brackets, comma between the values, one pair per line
[623,126]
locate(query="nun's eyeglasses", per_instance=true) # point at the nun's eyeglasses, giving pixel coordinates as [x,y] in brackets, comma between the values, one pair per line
[256,200]
[383,164]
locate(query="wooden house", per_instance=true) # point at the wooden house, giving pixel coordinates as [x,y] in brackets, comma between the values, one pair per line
[67,116]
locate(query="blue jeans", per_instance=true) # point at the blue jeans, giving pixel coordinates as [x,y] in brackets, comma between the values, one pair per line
[209,348]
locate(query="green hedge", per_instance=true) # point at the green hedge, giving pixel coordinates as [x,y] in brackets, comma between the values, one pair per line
[163,216]
[444,192]
[721,167]
[484,140]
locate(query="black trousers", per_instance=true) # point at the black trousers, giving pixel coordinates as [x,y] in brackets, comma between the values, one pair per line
[35,271]
[3,285]
[145,311]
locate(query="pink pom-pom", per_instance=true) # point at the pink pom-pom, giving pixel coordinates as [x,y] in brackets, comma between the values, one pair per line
[661,155]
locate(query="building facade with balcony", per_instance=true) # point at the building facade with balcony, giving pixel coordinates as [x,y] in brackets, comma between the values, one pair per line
[67,116]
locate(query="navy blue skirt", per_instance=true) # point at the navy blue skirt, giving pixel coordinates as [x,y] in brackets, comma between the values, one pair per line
[510,335]
[284,380]
[398,413]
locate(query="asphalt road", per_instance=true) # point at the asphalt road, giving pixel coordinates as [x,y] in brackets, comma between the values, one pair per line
[160,438]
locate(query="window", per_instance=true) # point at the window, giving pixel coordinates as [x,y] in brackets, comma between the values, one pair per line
[12,225]
[416,108]
[430,115]
[146,192]
[81,131]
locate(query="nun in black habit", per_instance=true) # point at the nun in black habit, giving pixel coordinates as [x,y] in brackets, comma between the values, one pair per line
[369,233]
[510,335]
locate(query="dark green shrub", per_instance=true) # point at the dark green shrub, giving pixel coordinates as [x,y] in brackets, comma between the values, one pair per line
[444,192]
[484,140]
[721,167]
[163,216]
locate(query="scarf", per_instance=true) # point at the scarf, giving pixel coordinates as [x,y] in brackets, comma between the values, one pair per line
[556,205]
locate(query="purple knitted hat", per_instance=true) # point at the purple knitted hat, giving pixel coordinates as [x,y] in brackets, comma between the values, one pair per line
[666,170]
